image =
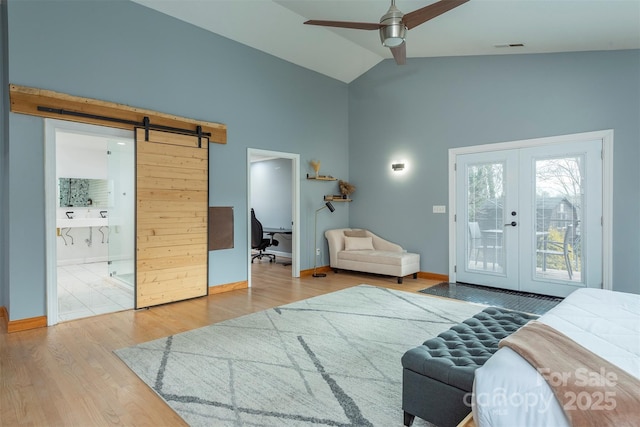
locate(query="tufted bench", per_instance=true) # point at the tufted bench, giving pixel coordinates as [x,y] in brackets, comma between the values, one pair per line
[438,374]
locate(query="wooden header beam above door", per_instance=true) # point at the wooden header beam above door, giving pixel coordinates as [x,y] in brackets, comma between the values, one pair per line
[26,100]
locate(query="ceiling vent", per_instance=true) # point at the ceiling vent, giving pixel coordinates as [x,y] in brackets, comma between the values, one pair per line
[509,45]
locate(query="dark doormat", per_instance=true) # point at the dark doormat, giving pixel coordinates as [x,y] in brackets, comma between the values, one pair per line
[512,300]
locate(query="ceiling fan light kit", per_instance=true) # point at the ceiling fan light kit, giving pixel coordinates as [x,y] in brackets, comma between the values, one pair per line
[392,29]
[392,36]
[394,24]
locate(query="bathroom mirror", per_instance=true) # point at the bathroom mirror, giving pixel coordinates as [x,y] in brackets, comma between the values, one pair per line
[82,192]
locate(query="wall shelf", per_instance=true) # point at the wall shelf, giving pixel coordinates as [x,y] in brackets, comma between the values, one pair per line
[321,178]
[331,198]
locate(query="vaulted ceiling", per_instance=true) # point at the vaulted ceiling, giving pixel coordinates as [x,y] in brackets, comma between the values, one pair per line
[478,27]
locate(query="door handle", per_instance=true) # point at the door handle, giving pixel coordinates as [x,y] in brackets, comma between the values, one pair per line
[512,224]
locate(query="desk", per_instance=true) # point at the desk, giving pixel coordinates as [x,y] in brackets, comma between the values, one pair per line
[272,231]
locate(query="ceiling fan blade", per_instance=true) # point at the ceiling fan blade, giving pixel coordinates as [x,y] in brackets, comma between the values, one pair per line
[346,24]
[400,53]
[422,15]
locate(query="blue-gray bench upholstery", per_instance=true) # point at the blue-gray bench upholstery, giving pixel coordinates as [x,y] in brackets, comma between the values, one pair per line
[439,373]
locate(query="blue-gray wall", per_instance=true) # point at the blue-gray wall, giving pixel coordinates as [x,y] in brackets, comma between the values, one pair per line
[421,110]
[122,52]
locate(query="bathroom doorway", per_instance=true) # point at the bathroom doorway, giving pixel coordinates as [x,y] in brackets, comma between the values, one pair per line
[90,208]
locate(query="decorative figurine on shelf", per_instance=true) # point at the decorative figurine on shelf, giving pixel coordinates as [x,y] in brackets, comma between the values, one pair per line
[345,188]
[315,164]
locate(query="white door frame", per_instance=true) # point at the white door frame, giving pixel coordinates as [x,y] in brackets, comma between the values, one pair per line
[606,136]
[295,201]
[51,126]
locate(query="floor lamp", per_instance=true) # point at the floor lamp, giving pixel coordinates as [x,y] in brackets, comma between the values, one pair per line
[315,239]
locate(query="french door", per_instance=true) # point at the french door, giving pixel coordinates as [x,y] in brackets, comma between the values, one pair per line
[530,219]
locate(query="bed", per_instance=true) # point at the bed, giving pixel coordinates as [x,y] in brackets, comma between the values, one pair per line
[508,391]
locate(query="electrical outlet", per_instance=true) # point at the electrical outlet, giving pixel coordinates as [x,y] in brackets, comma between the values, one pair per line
[317,251]
[439,209]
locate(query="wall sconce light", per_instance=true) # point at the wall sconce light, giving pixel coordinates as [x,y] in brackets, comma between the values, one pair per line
[397,167]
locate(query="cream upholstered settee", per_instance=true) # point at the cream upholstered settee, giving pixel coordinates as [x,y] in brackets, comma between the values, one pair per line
[361,250]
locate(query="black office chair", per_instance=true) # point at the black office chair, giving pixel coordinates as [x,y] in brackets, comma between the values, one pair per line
[258,242]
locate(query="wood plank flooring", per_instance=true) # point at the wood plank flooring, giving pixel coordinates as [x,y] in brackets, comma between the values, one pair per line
[68,374]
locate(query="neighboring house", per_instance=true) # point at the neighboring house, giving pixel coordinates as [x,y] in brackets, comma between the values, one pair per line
[489,215]
[123,52]
[555,213]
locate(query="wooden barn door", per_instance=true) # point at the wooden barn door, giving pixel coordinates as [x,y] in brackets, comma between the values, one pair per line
[171,217]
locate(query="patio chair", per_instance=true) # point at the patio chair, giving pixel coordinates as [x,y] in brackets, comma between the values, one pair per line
[565,248]
[490,245]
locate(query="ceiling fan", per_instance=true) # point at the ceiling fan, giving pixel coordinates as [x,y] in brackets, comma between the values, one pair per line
[394,24]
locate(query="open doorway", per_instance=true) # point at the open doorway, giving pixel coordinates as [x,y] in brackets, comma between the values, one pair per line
[273,191]
[89,199]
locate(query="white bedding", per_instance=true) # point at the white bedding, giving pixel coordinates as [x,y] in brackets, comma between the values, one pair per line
[509,392]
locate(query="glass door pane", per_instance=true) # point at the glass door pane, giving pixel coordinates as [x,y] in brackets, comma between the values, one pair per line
[561,233]
[558,203]
[121,215]
[485,205]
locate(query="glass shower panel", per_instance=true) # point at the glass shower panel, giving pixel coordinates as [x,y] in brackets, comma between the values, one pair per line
[121,213]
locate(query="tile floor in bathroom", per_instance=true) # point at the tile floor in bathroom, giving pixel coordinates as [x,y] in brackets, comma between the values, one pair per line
[87,290]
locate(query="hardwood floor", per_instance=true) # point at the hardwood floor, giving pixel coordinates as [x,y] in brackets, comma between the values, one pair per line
[68,374]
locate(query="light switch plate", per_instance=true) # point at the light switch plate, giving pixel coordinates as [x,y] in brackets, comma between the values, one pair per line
[439,209]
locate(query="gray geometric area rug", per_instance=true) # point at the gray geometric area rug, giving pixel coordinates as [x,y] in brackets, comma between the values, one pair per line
[331,360]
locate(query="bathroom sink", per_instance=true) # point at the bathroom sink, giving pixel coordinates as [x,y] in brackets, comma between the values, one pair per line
[81,222]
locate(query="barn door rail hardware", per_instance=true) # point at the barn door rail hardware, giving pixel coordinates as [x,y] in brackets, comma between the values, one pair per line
[145,122]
